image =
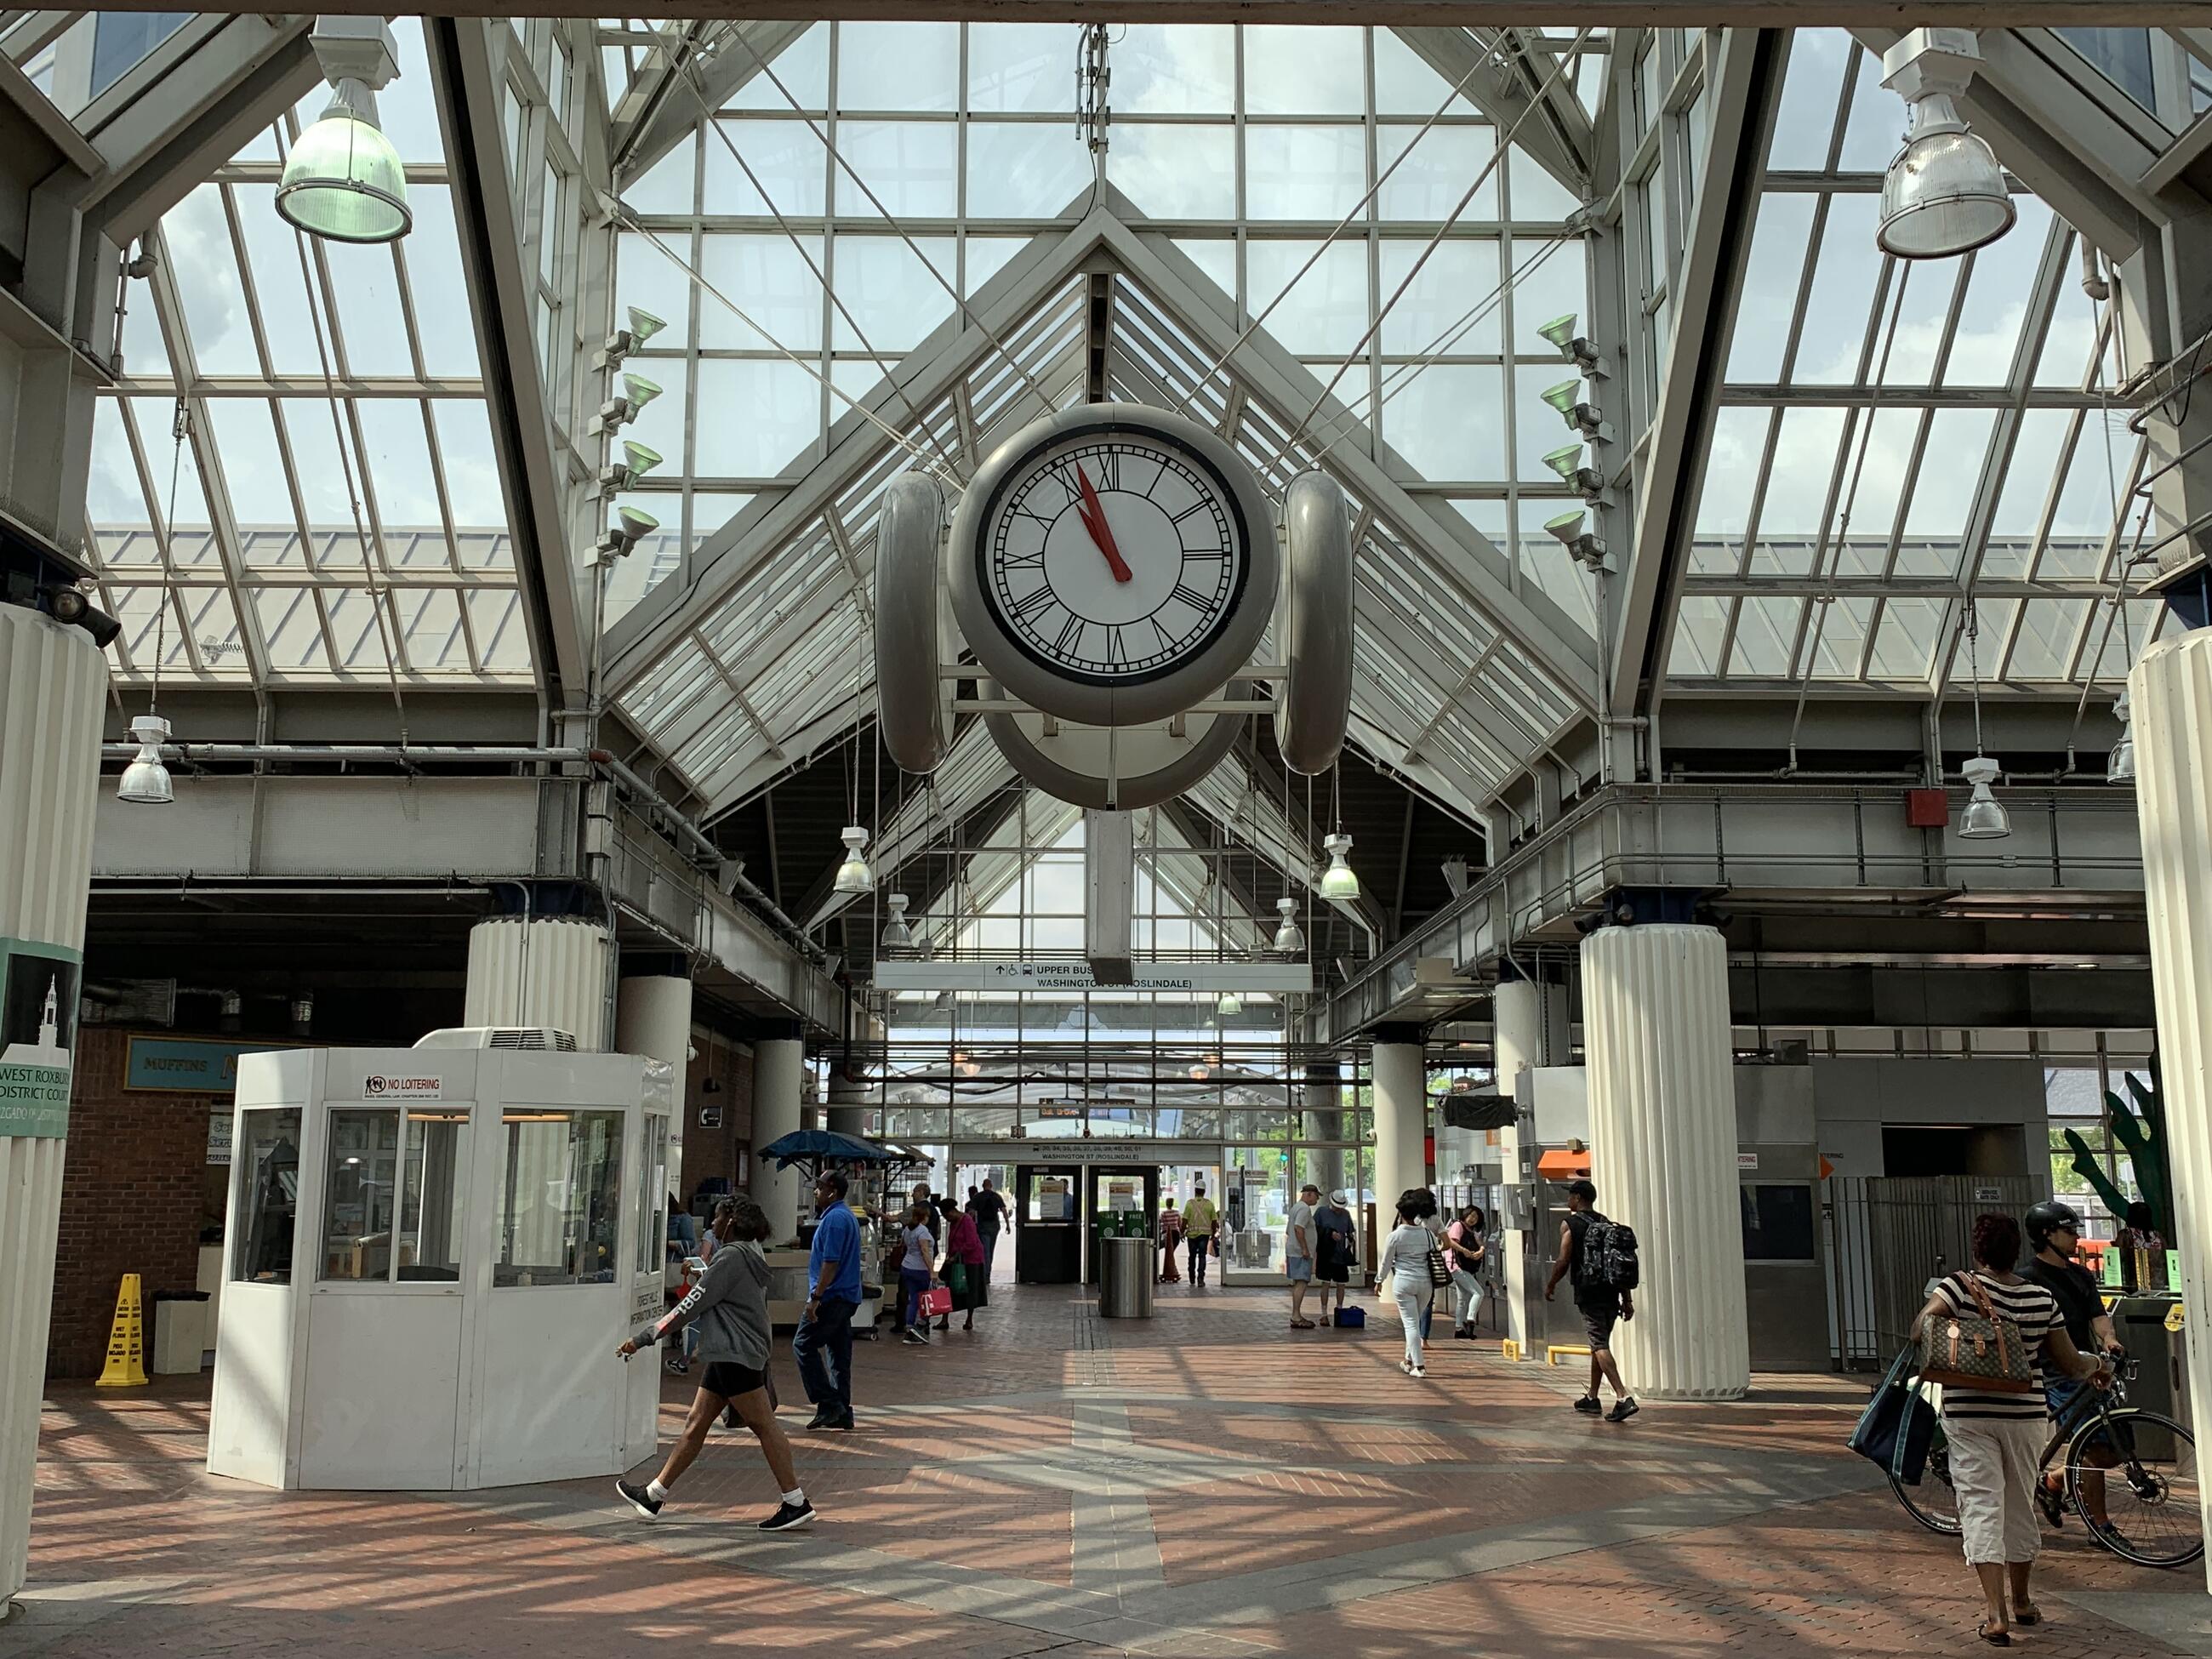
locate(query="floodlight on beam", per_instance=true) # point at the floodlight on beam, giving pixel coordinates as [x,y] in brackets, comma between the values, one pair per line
[619,411]
[1567,531]
[1578,349]
[1586,418]
[643,326]
[1567,462]
[637,461]
[630,527]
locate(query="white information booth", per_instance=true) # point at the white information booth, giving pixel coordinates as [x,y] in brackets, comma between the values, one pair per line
[432,1253]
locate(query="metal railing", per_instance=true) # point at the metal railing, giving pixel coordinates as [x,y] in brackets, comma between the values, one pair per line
[1842,843]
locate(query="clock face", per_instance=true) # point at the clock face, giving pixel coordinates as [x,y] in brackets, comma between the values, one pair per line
[1114,557]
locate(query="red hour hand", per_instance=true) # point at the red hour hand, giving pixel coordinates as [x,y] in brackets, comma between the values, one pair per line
[1094,520]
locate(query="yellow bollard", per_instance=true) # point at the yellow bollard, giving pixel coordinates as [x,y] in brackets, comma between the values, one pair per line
[126,1340]
[1509,1349]
[1553,1350]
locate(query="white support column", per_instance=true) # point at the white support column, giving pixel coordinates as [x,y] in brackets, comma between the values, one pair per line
[1529,1028]
[2170,697]
[1401,1107]
[52,682]
[551,972]
[1663,1152]
[849,1100]
[779,1067]
[652,1017]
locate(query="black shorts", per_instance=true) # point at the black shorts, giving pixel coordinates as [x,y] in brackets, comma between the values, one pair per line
[1600,1310]
[729,1379]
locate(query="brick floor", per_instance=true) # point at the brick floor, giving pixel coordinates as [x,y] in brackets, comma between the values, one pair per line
[1206,1481]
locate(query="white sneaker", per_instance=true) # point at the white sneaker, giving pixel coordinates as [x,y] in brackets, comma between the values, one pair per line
[1417,1371]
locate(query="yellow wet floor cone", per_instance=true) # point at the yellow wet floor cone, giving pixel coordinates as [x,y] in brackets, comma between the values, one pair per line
[126,1340]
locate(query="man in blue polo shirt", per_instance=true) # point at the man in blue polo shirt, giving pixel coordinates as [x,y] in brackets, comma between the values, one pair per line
[824,1342]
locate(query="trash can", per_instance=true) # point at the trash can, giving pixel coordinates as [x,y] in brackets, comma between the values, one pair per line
[180,1332]
[2139,1322]
[1125,1287]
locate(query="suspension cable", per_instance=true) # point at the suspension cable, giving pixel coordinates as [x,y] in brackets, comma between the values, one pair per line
[181,426]
[369,555]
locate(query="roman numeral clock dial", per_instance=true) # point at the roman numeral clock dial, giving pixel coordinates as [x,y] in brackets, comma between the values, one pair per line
[1113,565]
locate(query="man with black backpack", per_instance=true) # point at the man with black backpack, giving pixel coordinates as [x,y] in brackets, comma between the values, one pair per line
[1600,1255]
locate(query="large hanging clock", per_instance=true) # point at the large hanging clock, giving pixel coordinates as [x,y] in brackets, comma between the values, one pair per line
[1113,564]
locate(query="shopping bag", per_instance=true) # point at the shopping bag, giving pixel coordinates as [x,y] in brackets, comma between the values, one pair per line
[956,1277]
[1899,1424]
[1353,1319]
[936,1304]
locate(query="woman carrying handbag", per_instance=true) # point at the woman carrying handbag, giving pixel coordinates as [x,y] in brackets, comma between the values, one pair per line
[1987,1335]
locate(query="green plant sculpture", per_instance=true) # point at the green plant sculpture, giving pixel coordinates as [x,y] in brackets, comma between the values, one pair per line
[2140,1132]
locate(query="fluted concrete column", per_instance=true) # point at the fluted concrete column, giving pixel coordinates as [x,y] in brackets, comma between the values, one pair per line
[1656,1031]
[1401,1113]
[652,1017]
[1529,1028]
[779,1066]
[1323,1104]
[849,1100]
[1529,1024]
[551,971]
[52,682]
[2170,695]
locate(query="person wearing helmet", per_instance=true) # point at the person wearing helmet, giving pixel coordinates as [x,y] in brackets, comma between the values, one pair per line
[2054,1232]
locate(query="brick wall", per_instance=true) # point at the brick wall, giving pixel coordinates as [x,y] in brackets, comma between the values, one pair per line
[716,1152]
[133,1186]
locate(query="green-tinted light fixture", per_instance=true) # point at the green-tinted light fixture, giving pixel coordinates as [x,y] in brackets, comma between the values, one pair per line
[639,390]
[642,459]
[343,181]
[1563,397]
[643,326]
[1559,331]
[1567,461]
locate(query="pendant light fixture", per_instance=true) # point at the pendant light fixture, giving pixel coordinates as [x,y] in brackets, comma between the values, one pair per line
[854,875]
[2120,765]
[1289,937]
[342,180]
[1230,1006]
[1338,883]
[897,936]
[1944,193]
[146,780]
[1984,819]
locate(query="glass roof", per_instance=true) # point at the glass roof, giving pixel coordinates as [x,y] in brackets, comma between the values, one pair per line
[1239,148]
[272,577]
[1894,437]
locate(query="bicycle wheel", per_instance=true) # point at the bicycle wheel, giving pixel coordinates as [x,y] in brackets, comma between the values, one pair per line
[1934,1502]
[2131,1476]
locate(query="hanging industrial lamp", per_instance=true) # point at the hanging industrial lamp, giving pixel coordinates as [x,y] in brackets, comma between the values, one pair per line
[342,180]
[1944,193]
[854,875]
[1289,937]
[146,780]
[1230,1006]
[1338,882]
[897,936]
[2120,765]
[1984,819]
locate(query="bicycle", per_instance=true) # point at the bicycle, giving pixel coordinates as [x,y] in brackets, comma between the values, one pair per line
[2117,1456]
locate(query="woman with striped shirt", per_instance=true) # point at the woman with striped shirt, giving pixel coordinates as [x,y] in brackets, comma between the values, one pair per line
[1995,1438]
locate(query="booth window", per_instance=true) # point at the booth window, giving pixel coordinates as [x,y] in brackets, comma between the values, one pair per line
[265,1167]
[1778,1221]
[653,1197]
[381,1164]
[560,1198]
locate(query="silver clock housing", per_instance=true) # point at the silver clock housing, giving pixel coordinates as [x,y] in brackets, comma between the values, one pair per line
[1123,701]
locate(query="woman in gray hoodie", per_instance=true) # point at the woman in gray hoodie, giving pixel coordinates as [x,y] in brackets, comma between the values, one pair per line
[729,1308]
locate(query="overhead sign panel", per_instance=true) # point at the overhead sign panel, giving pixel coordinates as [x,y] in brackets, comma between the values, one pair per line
[1278,978]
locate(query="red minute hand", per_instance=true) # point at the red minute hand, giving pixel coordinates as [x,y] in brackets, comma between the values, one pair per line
[1094,520]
